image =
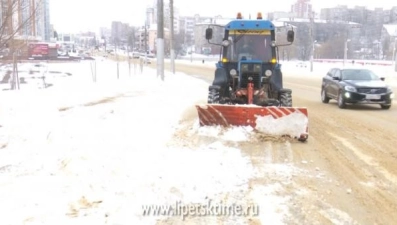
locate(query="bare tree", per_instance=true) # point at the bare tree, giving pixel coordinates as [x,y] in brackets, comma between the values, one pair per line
[386,49]
[179,42]
[18,19]
[333,48]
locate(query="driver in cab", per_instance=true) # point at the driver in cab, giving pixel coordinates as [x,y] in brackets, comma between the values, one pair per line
[246,49]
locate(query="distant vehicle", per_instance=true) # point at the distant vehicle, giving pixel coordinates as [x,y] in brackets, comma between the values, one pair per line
[355,86]
[301,65]
[135,55]
[147,61]
[38,68]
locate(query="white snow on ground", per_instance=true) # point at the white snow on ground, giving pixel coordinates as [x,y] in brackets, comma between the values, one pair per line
[81,152]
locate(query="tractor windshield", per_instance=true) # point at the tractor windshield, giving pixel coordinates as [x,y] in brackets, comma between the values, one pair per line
[249,46]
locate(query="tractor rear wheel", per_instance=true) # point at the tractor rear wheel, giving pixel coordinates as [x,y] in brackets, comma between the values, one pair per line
[213,94]
[285,98]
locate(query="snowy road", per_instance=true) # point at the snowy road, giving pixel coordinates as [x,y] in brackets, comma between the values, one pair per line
[95,154]
[348,170]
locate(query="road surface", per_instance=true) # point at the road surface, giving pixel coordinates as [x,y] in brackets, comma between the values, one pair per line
[350,159]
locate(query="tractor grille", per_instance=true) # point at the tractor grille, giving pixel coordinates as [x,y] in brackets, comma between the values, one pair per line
[372,90]
[256,79]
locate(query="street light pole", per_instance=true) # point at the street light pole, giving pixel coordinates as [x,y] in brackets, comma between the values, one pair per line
[172,37]
[146,40]
[312,40]
[395,54]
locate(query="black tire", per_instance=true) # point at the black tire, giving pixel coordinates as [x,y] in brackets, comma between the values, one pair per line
[285,98]
[341,101]
[385,106]
[302,139]
[324,97]
[213,95]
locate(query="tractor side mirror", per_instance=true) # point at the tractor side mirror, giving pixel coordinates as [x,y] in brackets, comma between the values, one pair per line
[290,36]
[208,33]
[382,79]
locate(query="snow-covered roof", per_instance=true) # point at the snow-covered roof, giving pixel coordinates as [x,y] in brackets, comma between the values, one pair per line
[281,24]
[391,29]
[304,20]
[218,21]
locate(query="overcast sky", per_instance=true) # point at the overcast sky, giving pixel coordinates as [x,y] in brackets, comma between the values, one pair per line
[84,15]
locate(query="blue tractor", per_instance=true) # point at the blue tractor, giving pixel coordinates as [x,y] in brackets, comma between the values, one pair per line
[248,81]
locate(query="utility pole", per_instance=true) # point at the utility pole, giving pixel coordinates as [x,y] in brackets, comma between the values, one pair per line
[160,39]
[312,41]
[345,52]
[172,37]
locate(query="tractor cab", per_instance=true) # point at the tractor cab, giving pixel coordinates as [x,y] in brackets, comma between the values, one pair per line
[249,59]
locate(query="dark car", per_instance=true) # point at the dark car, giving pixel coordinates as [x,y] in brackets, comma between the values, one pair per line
[355,86]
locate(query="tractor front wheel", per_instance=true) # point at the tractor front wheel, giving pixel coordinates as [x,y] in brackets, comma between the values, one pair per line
[285,98]
[213,94]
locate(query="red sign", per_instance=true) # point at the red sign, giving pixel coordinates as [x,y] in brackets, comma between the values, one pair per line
[38,49]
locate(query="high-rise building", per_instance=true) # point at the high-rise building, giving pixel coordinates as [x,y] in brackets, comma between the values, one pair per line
[302,9]
[150,16]
[31,18]
[46,17]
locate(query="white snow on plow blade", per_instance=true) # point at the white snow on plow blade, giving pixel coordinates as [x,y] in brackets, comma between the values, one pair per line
[293,124]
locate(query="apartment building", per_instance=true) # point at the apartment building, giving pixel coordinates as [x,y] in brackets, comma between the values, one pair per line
[119,32]
[302,9]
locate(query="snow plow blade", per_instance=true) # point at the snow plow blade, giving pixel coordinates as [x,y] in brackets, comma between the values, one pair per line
[283,121]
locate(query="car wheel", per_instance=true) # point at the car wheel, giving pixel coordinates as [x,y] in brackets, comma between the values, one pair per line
[341,101]
[324,97]
[385,106]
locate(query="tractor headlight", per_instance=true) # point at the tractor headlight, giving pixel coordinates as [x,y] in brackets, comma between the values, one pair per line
[233,72]
[244,67]
[257,68]
[225,43]
[350,88]
[268,73]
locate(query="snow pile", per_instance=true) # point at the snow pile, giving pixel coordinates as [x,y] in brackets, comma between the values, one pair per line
[293,124]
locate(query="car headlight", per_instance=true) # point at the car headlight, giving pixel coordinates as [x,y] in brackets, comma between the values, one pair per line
[389,90]
[350,88]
